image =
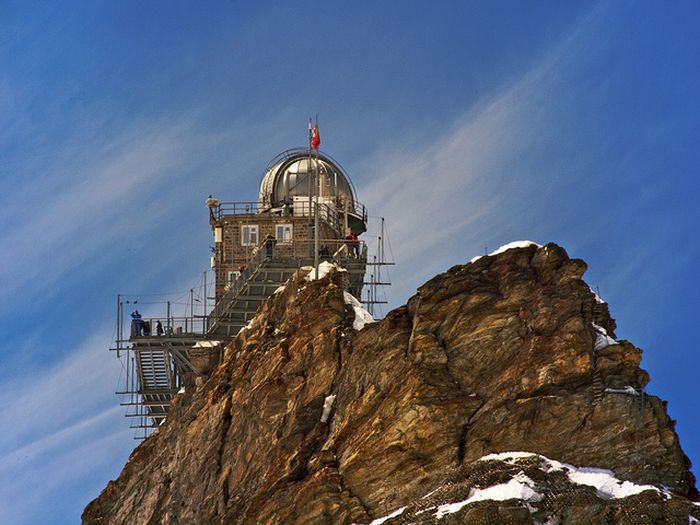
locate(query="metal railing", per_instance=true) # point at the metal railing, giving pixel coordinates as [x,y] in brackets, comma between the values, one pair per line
[331,213]
[251,266]
[335,250]
[338,250]
[169,326]
[234,208]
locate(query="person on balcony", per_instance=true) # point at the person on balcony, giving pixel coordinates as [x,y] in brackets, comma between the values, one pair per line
[353,245]
[136,324]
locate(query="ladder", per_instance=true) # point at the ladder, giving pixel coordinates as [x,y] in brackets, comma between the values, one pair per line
[598,384]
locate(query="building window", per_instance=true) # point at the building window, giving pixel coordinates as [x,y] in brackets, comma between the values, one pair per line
[283,233]
[249,235]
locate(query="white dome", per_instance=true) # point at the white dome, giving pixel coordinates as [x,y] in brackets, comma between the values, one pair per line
[287,176]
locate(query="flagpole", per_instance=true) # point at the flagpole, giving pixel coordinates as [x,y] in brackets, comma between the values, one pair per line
[309,176]
[316,220]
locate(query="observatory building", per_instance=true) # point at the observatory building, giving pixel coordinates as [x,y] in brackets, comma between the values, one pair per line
[307,212]
[275,236]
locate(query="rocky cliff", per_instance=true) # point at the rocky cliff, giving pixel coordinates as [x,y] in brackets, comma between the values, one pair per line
[497,394]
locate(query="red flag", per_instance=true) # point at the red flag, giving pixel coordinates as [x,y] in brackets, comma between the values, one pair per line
[315,137]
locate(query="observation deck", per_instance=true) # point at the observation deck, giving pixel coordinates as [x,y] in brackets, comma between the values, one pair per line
[307,212]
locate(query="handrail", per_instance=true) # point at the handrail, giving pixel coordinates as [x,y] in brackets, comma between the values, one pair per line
[250,268]
[331,214]
[185,325]
[236,208]
[342,251]
[337,250]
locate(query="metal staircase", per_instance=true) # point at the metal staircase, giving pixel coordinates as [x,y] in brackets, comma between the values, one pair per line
[156,379]
[162,363]
[157,370]
[239,305]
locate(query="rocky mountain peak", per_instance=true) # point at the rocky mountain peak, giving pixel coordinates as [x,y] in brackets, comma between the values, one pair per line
[497,394]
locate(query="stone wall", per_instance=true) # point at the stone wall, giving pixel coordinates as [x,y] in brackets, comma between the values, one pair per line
[231,253]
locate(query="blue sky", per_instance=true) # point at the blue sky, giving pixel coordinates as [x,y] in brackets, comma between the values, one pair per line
[466,125]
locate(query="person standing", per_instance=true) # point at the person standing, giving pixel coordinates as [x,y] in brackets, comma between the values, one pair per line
[136,324]
[270,242]
[353,244]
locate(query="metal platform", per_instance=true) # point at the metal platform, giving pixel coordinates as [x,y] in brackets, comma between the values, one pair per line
[161,362]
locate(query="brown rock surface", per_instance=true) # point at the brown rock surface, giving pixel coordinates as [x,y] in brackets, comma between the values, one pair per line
[493,356]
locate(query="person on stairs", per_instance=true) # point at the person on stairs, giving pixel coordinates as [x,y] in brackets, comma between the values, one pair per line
[270,242]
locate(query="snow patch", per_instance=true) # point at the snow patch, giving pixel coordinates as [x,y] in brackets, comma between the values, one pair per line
[518,487]
[606,484]
[604,481]
[327,405]
[323,269]
[506,247]
[629,390]
[207,344]
[602,339]
[692,520]
[507,457]
[362,316]
[249,325]
[431,492]
[597,297]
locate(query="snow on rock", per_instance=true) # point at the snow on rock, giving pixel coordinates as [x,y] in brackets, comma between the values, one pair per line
[362,316]
[692,520]
[606,484]
[379,521]
[207,344]
[249,325]
[604,481]
[323,269]
[629,390]
[597,297]
[327,405]
[518,487]
[510,245]
[602,339]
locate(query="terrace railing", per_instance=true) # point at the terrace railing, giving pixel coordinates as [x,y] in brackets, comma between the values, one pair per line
[330,213]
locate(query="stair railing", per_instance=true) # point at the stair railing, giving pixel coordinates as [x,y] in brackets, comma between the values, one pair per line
[251,268]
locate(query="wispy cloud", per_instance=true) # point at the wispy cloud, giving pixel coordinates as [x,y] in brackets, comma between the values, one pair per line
[71,216]
[63,426]
[47,400]
[488,175]
[62,465]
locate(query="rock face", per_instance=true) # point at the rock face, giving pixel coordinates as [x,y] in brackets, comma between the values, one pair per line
[502,354]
